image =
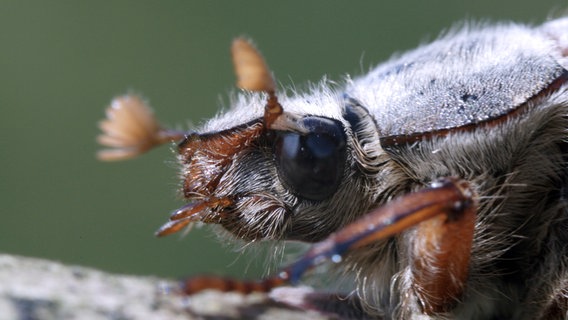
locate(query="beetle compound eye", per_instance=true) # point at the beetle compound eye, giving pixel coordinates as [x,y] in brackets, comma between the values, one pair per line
[312,164]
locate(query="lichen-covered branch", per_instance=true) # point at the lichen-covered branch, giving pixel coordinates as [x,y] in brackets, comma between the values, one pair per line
[32,288]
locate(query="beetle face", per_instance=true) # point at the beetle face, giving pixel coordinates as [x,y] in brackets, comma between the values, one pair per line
[282,184]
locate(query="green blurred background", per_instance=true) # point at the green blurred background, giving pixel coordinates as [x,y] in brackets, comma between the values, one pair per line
[62,61]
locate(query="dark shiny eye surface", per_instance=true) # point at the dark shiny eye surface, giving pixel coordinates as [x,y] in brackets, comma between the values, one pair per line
[311,165]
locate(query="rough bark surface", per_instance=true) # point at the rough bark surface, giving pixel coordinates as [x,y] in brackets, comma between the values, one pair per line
[32,288]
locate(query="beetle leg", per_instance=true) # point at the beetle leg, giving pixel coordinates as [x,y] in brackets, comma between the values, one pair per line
[440,255]
[445,212]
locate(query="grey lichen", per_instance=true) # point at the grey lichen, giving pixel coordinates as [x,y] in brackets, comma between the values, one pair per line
[32,289]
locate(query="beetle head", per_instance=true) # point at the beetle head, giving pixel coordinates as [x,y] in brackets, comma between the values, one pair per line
[275,174]
[265,172]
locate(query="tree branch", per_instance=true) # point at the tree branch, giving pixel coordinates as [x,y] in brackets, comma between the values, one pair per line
[32,288]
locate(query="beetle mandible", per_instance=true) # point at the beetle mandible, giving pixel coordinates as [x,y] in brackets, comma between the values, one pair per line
[438,180]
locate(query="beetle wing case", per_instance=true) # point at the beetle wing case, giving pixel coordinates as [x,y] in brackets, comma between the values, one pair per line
[469,76]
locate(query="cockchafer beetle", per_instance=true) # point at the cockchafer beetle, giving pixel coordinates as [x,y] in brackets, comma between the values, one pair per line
[438,180]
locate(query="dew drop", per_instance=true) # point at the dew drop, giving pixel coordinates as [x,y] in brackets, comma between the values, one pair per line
[336,258]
